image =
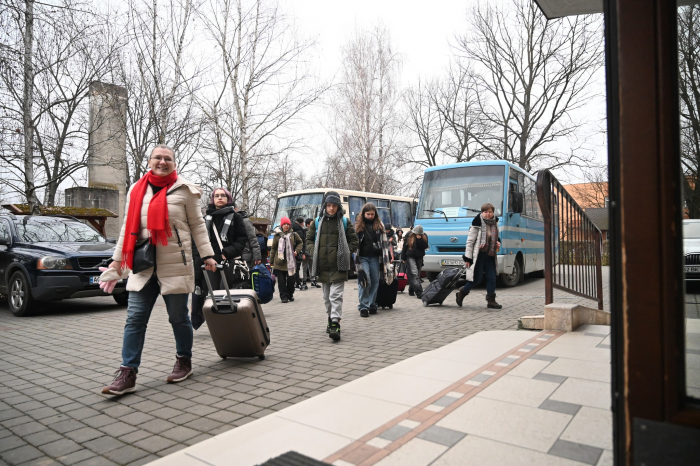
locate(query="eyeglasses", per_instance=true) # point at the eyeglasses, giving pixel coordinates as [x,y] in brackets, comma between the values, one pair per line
[220,195]
[162,159]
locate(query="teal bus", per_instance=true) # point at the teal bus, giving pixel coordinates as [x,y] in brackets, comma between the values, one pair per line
[452,196]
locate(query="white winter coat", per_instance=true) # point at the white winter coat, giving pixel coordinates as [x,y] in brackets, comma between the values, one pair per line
[175,275]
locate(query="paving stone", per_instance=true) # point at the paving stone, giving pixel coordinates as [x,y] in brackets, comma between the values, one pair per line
[42,437]
[550,378]
[98,421]
[10,442]
[180,433]
[27,428]
[103,445]
[66,426]
[576,451]
[60,447]
[97,461]
[144,460]
[154,444]
[560,407]
[135,436]
[136,418]
[21,454]
[41,461]
[84,435]
[203,424]
[394,432]
[157,425]
[77,457]
[118,429]
[441,435]
[171,450]
[126,454]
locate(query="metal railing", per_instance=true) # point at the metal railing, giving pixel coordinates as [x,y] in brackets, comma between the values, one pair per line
[572,243]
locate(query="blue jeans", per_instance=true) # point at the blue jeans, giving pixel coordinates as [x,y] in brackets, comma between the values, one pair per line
[139,311]
[484,261]
[368,295]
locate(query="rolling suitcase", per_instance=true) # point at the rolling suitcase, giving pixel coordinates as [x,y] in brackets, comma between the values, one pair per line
[236,321]
[401,277]
[386,294]
[440,288]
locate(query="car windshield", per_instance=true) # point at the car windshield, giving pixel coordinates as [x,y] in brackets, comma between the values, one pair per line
[691,230]
[58,230]
[301,205]
[460,192]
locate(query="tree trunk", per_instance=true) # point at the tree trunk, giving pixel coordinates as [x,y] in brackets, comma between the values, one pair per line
[27,99]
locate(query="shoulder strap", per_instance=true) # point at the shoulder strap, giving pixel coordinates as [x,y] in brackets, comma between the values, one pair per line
[227,224]
[218,240]
[207,220]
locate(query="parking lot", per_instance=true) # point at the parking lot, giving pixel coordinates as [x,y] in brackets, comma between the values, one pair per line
[55,363]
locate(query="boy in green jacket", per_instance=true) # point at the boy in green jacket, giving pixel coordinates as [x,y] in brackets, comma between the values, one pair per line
[330,241]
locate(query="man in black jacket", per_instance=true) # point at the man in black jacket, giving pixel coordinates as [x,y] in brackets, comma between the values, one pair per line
[299,228]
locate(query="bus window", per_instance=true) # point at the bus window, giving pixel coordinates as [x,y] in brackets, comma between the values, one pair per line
[383,209]
[355,205]
[401,215]
[301,205]
[532,207]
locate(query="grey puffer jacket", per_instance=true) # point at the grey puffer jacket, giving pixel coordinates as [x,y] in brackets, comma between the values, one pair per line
[252,249]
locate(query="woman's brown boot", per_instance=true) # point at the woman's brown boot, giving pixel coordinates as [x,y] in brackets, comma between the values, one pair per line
[491,302]
[460,296]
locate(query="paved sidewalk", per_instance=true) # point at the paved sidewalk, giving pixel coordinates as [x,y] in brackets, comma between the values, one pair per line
[502,397]
[54,365]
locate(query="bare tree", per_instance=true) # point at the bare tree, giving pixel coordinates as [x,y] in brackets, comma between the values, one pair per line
[263,86]
[689,90]
[426,123]
[71,50]
[367,122]
[160,71]
[534,74]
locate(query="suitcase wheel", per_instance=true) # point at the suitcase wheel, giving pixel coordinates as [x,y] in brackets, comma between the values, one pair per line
[261,357]
[425,304]
[223,357]
[391,306]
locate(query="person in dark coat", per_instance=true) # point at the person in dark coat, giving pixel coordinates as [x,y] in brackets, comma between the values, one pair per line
[262,243]
[308,262]
[233,235]
[412,254]
[299,228]
[251,253]
[329,242]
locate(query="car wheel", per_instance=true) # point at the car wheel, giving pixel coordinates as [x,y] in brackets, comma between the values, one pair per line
[122,298]
[512,279]
[19,296]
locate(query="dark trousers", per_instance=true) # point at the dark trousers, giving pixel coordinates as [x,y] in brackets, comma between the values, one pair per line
[285,282]
[488,263]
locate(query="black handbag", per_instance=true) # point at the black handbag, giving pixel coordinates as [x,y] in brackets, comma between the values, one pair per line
[144,256]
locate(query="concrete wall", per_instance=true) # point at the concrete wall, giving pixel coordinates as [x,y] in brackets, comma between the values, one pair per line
[97,198]
[107,153]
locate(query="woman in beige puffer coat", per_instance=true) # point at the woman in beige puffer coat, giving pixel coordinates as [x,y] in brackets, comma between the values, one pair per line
[171,217]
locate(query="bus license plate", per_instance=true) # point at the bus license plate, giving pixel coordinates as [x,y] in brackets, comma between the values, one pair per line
[692,269]
[94,280]
[448,262]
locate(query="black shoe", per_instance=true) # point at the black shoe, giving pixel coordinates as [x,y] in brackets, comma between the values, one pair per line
[328,327]
[410,292]
[364,313]
[285,300]
[305,287]
[315,285]
[372,310]
[335,331]
[291,298]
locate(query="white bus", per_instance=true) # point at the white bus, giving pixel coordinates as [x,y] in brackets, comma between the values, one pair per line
[395,210]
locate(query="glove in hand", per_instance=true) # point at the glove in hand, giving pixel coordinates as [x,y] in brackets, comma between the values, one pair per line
[362,278]
[107,286]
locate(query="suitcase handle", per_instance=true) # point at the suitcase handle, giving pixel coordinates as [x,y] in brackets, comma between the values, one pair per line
[234,308]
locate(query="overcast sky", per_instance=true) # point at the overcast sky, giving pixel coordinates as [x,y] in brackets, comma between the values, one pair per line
[421,32]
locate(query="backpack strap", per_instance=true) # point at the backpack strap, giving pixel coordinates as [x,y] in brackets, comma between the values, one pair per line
[227,224]
[207,220]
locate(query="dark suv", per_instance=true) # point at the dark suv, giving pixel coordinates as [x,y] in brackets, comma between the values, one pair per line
[47,258]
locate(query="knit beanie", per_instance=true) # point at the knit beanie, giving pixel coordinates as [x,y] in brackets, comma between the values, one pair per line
[418,230]
[285,220]
[334,198]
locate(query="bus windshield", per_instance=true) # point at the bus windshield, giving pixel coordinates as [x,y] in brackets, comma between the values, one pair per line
[301,205]
[461,191]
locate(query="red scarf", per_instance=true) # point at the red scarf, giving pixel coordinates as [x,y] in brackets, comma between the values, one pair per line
[157,223]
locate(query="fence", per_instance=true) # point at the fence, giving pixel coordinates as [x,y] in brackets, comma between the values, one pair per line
[572,243]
